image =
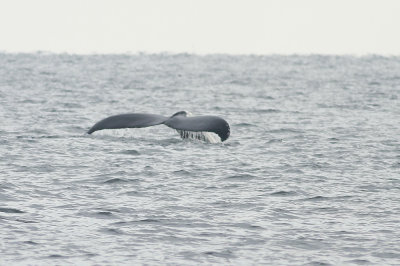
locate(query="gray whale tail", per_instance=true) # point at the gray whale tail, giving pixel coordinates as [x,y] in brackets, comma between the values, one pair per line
[188,126]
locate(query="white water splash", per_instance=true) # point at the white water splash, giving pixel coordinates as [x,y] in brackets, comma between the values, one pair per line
[203,136]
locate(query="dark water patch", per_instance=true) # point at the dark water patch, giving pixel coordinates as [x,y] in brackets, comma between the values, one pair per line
[26,221]
[72,105]
[240,82]
[323,198]
[139,221]
[231,143]
[359,262]
[4,197]
[90,254]
[374,83]
[30,242]
[222,203]
[328,209]
[104,213]
[387,255]
[283,193]
[292,170]
[135,193]
[50,137]
[231,186]
[130,152]
[182,173]
[150,173]
[369,188]
[319,263]
[80,130]
[29,139]
[116,173]
[244,125]
[279,213]
[307,243]
[272,141]
[190,255]
[148,220]
[266,111]
[55,256]
[227,254]
[395,165]
[211,188]
[316,198]
[241,177]
[333,140]
[248,226]
[316,165]
[116,181]
[112,231]
[47,73]
[390,143]
[10,210]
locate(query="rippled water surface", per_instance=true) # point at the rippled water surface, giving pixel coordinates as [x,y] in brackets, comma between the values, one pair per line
[309,175]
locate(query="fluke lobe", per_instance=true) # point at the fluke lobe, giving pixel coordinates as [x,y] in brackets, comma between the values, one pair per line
[197,127]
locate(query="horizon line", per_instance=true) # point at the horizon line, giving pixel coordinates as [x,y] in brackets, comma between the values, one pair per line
[45,52]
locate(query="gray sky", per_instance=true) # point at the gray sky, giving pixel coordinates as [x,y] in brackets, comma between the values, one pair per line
[203,26]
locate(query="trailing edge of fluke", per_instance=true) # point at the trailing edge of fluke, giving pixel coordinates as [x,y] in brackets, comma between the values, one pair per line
[180,121]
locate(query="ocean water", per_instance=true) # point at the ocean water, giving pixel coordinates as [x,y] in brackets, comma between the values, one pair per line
[309,176]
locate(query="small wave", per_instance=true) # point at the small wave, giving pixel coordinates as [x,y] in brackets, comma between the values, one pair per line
[72,105]
[359,262]
[322,198]
[104,213]
[266,111]
[47,73]
[221,254]
[25,221]
[30,242]
[127,223]
[113,231]
[101,214]
[283,193]
[149,220]
[248,226]
[274,141]
[130,152]
[387,255]
[244,125]
[294,171]
[241,177]
[316,198]
[333,139]
[182,172]
[10,210]
[115,180]
[319,263]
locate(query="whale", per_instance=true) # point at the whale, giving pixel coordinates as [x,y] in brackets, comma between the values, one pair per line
[189,127]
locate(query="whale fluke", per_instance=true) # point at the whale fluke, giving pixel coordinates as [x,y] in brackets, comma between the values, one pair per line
[128,121]
[188,126]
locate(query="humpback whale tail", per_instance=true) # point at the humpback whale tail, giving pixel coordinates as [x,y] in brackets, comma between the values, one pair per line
[195,127]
